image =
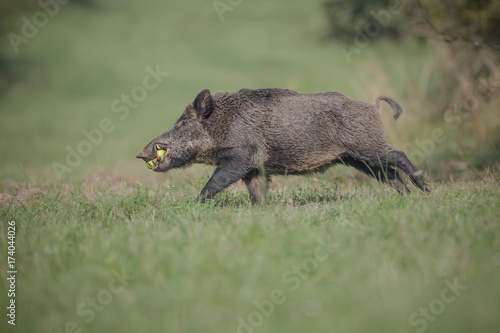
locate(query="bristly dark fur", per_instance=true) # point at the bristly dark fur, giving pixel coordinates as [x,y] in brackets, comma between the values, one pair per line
[254,134]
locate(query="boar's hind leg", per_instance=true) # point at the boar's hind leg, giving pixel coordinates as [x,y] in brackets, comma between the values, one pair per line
[399,159]
[222,177]
[395,180]
[257,186]
[380,172]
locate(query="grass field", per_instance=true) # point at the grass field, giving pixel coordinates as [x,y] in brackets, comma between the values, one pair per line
[331,257]
[113,247]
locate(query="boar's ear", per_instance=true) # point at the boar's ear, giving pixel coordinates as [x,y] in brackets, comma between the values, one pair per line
[204,104]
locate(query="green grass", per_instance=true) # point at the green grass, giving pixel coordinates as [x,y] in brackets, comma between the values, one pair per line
[198,267]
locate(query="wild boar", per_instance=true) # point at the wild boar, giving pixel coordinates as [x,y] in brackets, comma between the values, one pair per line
[254,134]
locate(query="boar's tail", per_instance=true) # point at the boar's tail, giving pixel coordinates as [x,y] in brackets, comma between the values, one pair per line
[395,106]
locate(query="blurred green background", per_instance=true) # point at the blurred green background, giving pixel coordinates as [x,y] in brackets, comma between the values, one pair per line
[64,80]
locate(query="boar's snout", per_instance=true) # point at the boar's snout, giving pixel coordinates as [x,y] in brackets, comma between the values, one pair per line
[150,153]
[144,156]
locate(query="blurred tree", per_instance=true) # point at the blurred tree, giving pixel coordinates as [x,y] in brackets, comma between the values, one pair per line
[83,2]
[348,17]
[469,65]
[474,21]
[10,11]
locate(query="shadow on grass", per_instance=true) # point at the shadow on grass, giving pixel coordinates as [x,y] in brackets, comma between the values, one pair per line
[299,197]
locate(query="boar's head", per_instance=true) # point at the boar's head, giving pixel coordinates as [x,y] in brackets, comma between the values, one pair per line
[186,139]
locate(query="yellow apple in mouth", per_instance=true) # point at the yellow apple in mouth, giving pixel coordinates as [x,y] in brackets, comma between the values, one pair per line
[160,154]
[150,164]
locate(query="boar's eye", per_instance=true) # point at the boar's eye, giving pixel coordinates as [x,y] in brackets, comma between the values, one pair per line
[182,123]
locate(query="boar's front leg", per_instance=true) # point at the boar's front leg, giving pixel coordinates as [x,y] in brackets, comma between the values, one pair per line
[223,176]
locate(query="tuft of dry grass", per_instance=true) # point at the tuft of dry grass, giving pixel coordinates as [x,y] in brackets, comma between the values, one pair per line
[456,93]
